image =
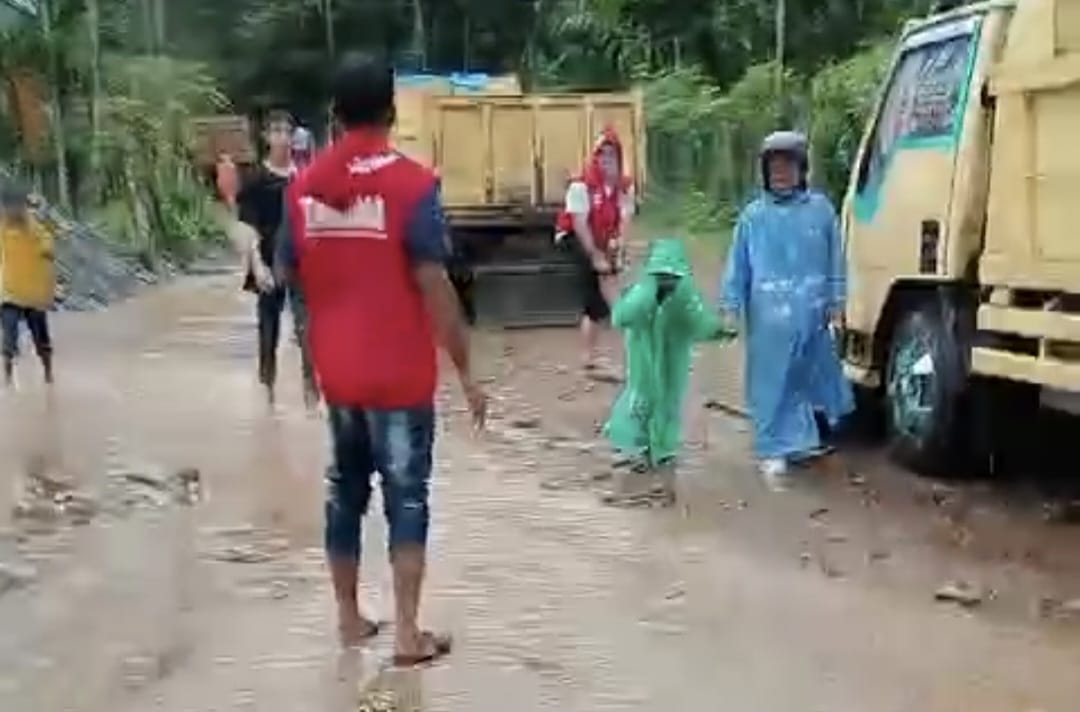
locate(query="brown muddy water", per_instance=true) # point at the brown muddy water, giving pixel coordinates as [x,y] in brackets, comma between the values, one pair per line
[160,549]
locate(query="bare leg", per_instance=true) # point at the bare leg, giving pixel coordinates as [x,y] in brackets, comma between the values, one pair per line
[408,562]
[47,367]
[589,339]
[412,645]
[609,287]
[353,627]
[38,323]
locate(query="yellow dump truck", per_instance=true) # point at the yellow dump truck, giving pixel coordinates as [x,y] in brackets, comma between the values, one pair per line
[962,225]
[504,158]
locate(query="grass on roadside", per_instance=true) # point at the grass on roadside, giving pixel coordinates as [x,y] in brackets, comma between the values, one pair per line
[706,227]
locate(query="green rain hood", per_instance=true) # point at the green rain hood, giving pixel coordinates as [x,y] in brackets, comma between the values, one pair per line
[646,420]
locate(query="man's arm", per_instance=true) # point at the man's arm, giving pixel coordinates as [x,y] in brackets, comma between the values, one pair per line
[249,204]
[429,252]
[734,291]
[627,207]
[286,261]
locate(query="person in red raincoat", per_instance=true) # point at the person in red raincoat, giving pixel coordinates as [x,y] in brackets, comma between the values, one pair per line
[599,205]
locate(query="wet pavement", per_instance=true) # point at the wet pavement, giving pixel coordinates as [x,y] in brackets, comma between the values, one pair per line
[160,550]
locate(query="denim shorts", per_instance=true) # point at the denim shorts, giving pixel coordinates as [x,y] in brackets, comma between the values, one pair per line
[398,445]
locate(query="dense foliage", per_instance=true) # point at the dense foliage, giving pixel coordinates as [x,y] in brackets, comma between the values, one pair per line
[122,77]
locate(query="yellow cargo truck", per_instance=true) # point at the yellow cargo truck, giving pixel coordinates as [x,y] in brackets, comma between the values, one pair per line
[504,160]
[962,224]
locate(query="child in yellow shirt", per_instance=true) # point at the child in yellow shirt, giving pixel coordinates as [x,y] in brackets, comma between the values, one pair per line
[27,281]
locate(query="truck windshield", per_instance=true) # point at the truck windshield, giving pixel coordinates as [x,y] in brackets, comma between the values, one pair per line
[922,105]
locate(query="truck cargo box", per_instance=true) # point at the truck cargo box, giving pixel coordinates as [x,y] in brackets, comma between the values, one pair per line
[503,158]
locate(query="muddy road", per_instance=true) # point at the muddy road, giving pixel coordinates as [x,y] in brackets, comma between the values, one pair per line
[160,549]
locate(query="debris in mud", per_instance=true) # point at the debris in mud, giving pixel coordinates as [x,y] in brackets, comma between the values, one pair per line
[14,577]
[243,554]
[819,513]
[563,484]
[535,663]
[717,407]
[1062,512]
[829,570]
[150,488]
[248,545]
[677,592]
[139,671]
[526,423]
[36,516]
[942,495]
[1054,609]
[189,481]
[378,701]
[46,501]
[153,480]
[856,480]
[961,593]
[877,555]
[870,498]
[80,509]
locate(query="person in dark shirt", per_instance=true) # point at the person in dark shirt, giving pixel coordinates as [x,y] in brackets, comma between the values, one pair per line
[260,206]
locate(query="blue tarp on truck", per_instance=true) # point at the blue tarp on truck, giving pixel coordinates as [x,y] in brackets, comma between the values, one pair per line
[460,82]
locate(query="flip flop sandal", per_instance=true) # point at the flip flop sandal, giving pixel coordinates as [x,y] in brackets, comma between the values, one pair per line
[372,630]
[437,647]
[639,500]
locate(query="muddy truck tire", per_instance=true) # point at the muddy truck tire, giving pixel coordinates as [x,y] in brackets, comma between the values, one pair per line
[926,393]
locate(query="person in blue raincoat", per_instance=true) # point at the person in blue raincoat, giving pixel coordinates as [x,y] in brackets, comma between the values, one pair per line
[784,286]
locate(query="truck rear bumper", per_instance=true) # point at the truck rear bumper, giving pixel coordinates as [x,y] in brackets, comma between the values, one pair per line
[517,217]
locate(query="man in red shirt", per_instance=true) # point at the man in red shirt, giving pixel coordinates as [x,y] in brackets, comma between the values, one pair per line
[366,246]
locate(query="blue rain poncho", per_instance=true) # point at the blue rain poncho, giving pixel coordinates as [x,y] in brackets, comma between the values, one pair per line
[785,273]
[646,420]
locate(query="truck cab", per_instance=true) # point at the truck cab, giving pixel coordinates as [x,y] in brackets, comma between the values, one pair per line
[963,258]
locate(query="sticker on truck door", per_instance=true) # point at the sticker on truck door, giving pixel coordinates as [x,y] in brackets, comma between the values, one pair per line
[923,109]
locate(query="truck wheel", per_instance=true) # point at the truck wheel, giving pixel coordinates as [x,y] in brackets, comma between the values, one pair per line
[924,394]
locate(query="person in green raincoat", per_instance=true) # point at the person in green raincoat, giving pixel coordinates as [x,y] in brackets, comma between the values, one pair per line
[662,315]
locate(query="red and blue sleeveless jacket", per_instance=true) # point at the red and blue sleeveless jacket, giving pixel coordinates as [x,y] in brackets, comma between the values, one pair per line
[370,335]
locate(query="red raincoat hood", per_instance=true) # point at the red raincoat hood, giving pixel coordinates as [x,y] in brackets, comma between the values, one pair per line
[594,174]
